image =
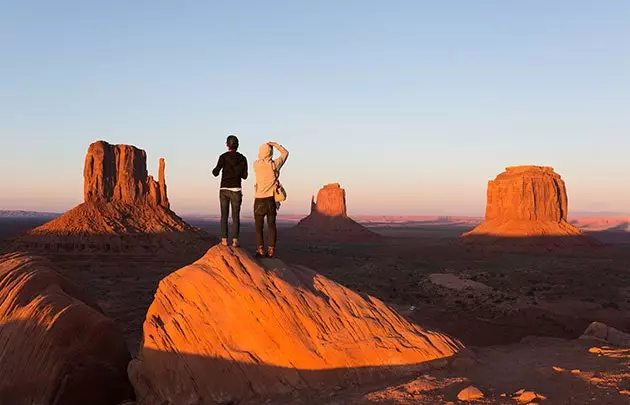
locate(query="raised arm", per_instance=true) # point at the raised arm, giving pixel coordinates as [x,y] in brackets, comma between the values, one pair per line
[284,154]
[217,169]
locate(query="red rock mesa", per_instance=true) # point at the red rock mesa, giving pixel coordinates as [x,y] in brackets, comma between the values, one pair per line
[331,201]
[56,346]
[124,208]
[224,329]
[528,202]
[119,173]
[328,219]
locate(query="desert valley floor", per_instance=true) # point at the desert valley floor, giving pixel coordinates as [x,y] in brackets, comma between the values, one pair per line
[518,312]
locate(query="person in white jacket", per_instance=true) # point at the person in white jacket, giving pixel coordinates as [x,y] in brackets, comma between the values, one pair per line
[267,172]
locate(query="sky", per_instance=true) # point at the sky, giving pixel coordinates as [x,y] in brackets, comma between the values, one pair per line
[412,106]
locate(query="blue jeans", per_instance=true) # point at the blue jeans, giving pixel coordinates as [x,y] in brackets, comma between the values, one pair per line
[229,198]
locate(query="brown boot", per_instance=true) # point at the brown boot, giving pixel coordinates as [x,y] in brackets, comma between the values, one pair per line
[271,251]
[260,252]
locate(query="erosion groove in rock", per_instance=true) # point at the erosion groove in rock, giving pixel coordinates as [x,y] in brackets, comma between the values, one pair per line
[226,328]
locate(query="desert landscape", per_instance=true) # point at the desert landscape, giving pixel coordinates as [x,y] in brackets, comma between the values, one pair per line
[120,300]
[314,202]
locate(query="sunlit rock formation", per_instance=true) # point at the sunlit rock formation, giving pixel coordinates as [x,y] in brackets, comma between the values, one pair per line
[329,220]
[227,328]
[125,209]
[528,202]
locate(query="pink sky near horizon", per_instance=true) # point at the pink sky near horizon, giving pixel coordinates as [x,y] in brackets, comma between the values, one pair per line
[429,195]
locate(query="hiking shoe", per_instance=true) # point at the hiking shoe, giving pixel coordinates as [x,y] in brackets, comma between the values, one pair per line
[235,243]
[260,252]
[224,242]
[271,252]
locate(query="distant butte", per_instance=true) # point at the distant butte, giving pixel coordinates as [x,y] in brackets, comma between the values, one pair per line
[124,209]
[119,173]
[529,203]
[329,220]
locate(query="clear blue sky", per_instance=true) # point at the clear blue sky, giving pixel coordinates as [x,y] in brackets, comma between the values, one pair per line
[411,105]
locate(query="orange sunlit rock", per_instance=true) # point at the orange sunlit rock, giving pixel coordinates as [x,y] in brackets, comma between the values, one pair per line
[331,201]
[527,193]
[227,327]
[119,173]
[56,346]
[528,202]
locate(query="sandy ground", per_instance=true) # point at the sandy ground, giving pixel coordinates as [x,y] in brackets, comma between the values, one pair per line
[505,298]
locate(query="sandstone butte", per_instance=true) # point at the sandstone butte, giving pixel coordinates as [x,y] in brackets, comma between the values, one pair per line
[123,208]
[56,346]
[226,329]
[329,219]
[526,202]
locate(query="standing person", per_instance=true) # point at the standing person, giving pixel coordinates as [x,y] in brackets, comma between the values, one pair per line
[234,167]
[267,173]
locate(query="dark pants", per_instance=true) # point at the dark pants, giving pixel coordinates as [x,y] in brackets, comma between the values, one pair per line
[233,198]
[265,207]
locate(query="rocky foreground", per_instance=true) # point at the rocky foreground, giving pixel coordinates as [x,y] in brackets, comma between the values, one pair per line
[56,345]
[229,328]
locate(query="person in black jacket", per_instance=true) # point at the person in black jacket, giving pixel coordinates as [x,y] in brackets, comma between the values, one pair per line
[234,167]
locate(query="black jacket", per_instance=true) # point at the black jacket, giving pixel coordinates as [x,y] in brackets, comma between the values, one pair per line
[234,166]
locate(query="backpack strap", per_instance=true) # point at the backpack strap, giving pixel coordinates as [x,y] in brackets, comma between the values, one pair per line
[276,172]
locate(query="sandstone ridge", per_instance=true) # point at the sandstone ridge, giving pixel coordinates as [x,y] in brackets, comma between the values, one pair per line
[228,328]
[124,209]
[56,346]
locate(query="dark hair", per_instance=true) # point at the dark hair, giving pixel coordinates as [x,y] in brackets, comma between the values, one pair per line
[232,142]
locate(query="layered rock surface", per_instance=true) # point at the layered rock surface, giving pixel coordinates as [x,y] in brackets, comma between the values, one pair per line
[125,209]
[226,328]
[56,345]
[119,173]
[527,193]
[328,219]
[528,202]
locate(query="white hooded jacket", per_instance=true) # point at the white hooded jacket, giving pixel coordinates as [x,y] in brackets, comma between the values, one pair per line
[264,169]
